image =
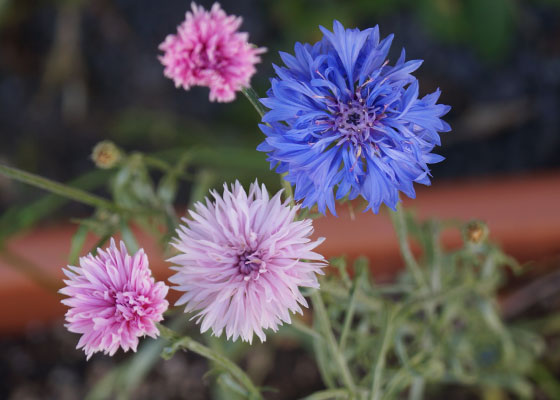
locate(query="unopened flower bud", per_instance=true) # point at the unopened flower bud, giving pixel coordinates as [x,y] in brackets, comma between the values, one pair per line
[475,232]
[105,154]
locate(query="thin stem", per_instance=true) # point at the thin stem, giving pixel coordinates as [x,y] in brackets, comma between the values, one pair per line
[288,192]
[299,326]
[400,379]
[58,188]
[399,223]
[69,192]
[122,379]
[437,257]
[342,293]
[187,343]
[349,313]
[253,98]
[379,363]
[417,389]
[77,244]
[101,242]
[128,238]
[330,394]
[417,302]
[325,325]
[321,351]
[159,164]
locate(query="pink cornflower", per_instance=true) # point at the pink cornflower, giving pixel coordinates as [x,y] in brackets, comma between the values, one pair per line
[209,51]
[113,300]
[241,262]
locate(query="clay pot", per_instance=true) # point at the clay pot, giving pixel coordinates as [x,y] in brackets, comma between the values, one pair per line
[521,211]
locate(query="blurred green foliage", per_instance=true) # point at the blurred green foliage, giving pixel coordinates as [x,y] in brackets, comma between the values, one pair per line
[486,26]
[21,217]
[419,335]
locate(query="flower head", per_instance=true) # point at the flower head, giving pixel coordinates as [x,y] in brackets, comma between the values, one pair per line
[475,232]
[241,262]
[113,300]
[106,154]
[209,51]
[341,118]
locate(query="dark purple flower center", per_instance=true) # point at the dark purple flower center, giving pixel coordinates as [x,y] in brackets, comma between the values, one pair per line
[250,264]
[354,120]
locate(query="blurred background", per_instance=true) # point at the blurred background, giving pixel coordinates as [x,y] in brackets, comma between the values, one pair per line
[75,72]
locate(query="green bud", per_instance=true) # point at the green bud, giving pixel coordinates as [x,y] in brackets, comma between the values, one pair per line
[106,154]
[475,232]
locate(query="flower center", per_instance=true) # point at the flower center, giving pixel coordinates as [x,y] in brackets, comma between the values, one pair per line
[129,304]
[354,120]
[251,265]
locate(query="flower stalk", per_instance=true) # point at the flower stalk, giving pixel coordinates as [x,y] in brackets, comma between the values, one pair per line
[60,189]
[253,98]
[330,394]
[187,343]
[349,313]
[399,223]
[325,326]
[380,359]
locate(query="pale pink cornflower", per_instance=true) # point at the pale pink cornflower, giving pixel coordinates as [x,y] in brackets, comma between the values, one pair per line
[208,50]
[113,300]
[242,259]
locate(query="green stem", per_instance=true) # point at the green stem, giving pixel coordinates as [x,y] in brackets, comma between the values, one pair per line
[299,326]
[163,166]
[379,363]
[349,314]
[342,294]
[288,192]
[322,359]
[428,300]
[187,343]
[77,244]
[129,238]
[253,98]
[330,394]
[417,389]
[58,188]
[101,242]
[121,381]
[325,325]
[399,222]
[401,378]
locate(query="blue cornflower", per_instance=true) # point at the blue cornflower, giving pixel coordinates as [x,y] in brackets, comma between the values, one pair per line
[341,118]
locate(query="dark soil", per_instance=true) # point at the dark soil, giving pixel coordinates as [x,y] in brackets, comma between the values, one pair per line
[44,364]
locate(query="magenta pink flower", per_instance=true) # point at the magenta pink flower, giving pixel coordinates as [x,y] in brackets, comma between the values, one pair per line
[113,300]
[241,262]
[209,51]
